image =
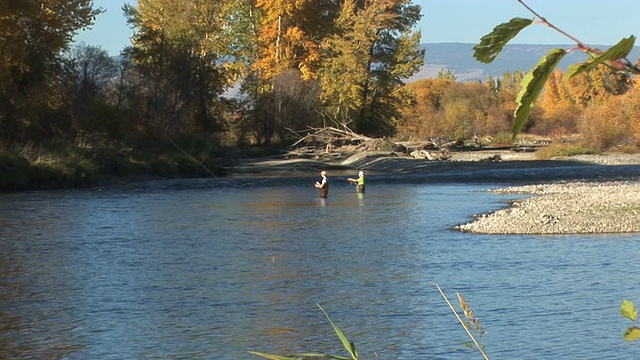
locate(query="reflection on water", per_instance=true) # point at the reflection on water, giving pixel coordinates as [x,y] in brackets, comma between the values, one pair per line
[188,269]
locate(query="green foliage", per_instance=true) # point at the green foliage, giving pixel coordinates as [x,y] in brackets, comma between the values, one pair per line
[17,173]
[618,51]
[351,348]
[491,44]
[532,86]
[629,311]
[447,75]
[92,159]
[185,60]
[502,138]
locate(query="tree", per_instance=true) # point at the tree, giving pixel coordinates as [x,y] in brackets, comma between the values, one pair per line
[447,75]
[365,62]
[90,73]
[183,52]
[596,85]
[471,109]
[421,116]
[294,103]
[34,33]
[279,38]
[290,34]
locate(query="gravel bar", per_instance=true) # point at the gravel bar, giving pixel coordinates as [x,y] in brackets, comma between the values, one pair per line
[564,208]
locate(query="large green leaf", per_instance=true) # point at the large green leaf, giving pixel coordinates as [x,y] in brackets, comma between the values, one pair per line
[491,44]
[532,85]
[632,334]
[628,310]
[619,51]
[351,348]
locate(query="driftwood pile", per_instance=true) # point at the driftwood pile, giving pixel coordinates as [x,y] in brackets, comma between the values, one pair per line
[330,142]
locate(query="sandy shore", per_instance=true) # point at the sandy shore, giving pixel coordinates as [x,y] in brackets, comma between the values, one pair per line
[580,194]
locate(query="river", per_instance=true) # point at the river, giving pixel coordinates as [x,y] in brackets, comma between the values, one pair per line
[207,269]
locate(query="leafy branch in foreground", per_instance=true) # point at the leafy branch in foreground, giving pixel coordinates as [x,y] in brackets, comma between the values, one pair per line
[628,310]
[492,44]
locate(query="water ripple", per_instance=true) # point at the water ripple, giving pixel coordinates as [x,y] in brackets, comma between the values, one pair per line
[190,269]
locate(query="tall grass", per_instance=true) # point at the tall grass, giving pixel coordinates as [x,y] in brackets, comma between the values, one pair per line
[471,325]
[561,149]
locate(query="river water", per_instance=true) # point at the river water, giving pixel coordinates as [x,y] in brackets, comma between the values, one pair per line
[204,269]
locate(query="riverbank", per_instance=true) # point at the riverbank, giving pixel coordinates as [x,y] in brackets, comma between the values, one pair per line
[386,162]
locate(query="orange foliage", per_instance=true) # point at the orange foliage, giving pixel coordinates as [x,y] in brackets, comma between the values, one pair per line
[290,35]
[443,107]
[422,117]
[589,104]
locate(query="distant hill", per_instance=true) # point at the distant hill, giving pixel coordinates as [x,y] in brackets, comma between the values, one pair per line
[458,57]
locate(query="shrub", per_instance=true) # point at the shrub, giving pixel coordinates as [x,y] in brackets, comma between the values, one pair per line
[608,124]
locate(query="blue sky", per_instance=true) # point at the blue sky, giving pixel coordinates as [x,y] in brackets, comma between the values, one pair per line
[595,22]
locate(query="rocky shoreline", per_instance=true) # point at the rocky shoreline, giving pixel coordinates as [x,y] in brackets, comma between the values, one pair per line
[576,207]
[565,208]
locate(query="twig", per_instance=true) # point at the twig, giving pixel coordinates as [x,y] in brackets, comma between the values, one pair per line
[462,323]
[581,44]
[622,64]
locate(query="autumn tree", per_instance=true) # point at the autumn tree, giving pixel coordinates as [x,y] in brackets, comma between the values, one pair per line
[183,52]
[611,123]
[615,58]
[458,111]
[472,109]
[365,62]
[290,34]
[560,111]
[284,39]
[34,33]
[596,85]
[565,100]
[421,117]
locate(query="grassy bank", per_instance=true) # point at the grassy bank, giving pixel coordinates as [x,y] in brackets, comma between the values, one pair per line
[57,165]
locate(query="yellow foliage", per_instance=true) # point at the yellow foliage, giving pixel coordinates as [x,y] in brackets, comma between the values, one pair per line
[615,122]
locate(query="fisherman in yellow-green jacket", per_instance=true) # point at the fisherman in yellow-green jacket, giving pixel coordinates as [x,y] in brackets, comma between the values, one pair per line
[359,182]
